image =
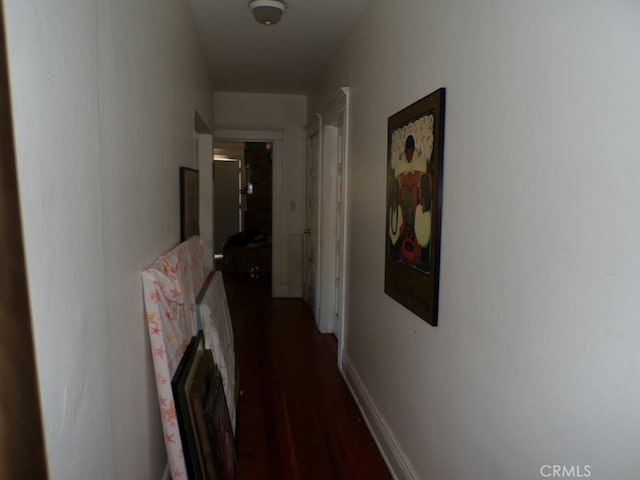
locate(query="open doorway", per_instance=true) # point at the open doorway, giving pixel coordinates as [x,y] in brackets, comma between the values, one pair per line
[243,212]
[228,158]
[326,229]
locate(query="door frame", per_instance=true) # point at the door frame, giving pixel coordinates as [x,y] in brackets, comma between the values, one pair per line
[279,283]
[334,114]
[313,134]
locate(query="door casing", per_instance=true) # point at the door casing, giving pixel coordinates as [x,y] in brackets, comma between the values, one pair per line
[333,131]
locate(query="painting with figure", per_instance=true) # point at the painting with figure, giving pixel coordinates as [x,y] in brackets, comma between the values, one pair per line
[414,204]
[410,193]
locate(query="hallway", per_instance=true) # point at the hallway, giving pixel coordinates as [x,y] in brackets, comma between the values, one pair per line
[296,416]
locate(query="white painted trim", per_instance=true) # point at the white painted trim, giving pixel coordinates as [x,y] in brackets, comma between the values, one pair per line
[313,127]
[318,247]
[336,105]
[313,130]
[336,112]
[326,237]
[279,237]
[395,458]
[229,134]
[279,287]
[342,342]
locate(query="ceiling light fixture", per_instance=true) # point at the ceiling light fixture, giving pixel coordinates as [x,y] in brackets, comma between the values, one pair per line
[267,12]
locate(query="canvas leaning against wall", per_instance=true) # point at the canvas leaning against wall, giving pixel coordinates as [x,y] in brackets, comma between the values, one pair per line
[414,205]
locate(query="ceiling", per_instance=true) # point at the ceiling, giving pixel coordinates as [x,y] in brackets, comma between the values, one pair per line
[289,57]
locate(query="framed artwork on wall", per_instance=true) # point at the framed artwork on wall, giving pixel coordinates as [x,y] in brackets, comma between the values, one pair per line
[414,205]
[189,203]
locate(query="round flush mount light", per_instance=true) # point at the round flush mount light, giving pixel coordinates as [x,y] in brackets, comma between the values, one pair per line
[267,12]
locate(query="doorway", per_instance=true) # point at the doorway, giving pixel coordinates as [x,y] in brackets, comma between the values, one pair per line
[243,213]
[279,240]
[228,158]
[327,252]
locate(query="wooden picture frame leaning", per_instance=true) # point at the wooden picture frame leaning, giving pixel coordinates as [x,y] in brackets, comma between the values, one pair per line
[180,384]
[220,431]
[197,394]
[210,417]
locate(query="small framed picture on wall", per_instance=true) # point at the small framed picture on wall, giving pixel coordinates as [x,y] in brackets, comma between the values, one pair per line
[189,203]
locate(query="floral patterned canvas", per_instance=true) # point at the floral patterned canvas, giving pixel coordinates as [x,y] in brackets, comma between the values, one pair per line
[170,286]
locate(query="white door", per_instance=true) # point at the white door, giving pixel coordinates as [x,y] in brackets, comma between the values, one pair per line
[339,234]
[311,224]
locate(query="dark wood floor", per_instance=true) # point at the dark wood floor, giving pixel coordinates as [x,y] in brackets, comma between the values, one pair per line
[296,416]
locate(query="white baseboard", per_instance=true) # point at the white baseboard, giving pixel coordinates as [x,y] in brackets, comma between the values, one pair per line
[397,461]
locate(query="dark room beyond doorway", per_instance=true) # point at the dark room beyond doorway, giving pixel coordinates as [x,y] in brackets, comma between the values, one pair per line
[243,206]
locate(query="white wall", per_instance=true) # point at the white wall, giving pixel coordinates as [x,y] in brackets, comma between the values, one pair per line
[104,94]
[286,113]
[536,357]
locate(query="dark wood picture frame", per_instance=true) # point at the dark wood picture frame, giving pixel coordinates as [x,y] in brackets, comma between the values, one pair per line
[216,414]
[415,145]
[197,395]
[180,384]
[189,203]
[210,418]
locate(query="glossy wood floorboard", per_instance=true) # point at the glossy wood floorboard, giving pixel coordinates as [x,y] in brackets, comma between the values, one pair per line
[296,416]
